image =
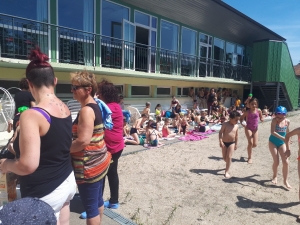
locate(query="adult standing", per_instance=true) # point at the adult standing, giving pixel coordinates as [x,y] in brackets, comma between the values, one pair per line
[113,139]
[44,166]
[90,157]
[22,98]
[202,102]
[210,99]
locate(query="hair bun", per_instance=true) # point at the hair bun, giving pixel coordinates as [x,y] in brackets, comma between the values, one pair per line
[37,56]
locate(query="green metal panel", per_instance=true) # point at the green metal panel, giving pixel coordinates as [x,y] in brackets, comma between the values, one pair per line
[272,63]
[53,20]
[288,75]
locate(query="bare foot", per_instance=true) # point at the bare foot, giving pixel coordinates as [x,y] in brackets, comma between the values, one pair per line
[288,186]
[274,180]
[227,175]
[249,161]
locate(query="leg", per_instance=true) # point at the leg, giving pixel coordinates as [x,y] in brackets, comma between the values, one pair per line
[113,178]
[275,156]
[224,153]
[100,200]
[285,165]
[64,216]
[230,151]
[249,136]
[136,140]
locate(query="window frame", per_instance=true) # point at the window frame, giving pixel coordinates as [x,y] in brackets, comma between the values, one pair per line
[178,32]
[196,40]
[120,85]
[181,88]
[140,95]
[167,95]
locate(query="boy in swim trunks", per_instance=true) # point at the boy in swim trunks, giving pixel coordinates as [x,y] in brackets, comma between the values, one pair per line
[228,137]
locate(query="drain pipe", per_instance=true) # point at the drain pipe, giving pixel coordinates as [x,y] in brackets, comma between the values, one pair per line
[277,94]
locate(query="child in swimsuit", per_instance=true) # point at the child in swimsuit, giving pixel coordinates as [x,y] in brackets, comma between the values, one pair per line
[279,128]
[166,133]
[183,125]
[152,134]
[251,128]
[228,137]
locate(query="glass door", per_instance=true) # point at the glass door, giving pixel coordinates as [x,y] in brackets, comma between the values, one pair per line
[128,45]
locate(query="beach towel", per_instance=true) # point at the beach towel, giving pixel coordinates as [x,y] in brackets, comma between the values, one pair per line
[106,114]
[192,137]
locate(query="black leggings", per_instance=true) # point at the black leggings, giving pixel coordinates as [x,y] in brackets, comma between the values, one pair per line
[113,178]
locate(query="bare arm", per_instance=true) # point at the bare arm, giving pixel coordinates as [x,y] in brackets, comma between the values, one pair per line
[261,116]
[289,135]
[29,146]
[221,136]
[243,117]
[85,129]
[236,137]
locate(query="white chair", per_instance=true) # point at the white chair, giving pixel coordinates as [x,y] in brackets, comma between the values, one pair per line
[74,107]
[134,114]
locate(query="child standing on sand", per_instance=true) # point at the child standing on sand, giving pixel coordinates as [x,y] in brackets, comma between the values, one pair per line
[279,128]
[228,137]
[252,116]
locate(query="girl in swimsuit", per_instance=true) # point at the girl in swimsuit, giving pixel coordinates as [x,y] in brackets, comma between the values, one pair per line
[279,128]
[166,133]
[251,129]
[152,134]
[174,103]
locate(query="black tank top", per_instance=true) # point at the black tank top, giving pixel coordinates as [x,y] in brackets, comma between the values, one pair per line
[55,161]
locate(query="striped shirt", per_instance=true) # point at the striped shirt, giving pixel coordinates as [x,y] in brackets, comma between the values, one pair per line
[91,164]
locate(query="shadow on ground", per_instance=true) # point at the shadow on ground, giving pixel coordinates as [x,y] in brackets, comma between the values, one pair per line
[266,207]
[201,171]
[242,159]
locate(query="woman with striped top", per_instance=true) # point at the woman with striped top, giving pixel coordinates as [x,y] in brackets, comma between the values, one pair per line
[90,157]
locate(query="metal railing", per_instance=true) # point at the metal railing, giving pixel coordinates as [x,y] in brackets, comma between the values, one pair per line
[18,36]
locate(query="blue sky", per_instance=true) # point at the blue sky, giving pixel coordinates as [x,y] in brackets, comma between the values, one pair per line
[281,16]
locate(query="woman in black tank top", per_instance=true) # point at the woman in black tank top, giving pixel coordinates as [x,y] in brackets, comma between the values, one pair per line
[45,136]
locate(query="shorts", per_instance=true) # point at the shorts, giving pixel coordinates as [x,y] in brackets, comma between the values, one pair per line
[91,197]
[62,194]
[133,130]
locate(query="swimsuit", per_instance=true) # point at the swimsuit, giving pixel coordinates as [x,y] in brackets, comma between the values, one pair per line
[227,144]
[133,130]
[183,128]
[165,132]
[154,142]
[281,131]
[252,120]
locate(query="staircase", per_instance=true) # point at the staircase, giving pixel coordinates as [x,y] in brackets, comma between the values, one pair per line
[266,93]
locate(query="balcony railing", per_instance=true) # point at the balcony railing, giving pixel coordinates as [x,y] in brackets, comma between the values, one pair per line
[18,36]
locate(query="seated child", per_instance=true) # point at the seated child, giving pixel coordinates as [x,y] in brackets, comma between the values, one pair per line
[152,134]
[146,110]
[159,124]
[158,110]
[126,129]
[204,114]
[197,118]
[192,115]
[183,125]
[176,121]
[223,114]
[166,133]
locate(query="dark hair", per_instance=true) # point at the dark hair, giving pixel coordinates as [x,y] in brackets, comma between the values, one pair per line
[158,105]
[234,114]
[23,84]
[144,115]
[158,118]
[108,92]
[39,72]
[253,99]
[148,103]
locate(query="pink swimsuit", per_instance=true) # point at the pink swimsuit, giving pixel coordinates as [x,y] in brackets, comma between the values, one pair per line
[252,120]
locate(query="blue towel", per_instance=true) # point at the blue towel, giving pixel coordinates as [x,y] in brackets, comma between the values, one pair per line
[106,114]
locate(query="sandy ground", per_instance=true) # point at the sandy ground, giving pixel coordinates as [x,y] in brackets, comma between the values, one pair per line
[184,184]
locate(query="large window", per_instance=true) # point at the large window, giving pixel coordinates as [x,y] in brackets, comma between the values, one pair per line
[188,41]
[230,53]
[29,9]
[77,14]
[76,47]
[183,92]
[166,91]
[218,49]
[112,19]
[140,90]
[169,36]
[19,36]
[240,54]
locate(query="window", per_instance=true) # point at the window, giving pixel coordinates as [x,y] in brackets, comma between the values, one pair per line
[169,36]
[188,41]
[29,9]
[142,18]
[163,91]
[112,19]
[218,49]
[183,91]
[205,39]
[63,88]
[230,51]
[19,36]
[140,90]
[120,89]
[240,53]
[80,16]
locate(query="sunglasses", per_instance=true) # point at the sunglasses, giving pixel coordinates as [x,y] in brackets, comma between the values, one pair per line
[76,87]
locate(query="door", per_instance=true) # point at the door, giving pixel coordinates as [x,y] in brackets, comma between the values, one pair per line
[142,49]
[128,45]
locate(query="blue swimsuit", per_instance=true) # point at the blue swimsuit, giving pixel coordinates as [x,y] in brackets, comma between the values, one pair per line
[281,131]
